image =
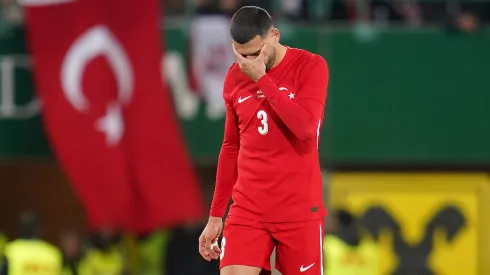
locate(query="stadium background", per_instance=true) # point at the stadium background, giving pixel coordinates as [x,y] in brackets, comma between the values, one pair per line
[406,126]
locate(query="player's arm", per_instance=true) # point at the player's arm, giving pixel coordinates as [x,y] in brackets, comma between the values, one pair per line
[303,115]
[227,173]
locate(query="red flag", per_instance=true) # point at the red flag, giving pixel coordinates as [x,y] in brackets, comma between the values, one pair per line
[108,113]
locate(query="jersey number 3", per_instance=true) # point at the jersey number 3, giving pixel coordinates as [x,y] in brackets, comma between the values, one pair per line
[264,129]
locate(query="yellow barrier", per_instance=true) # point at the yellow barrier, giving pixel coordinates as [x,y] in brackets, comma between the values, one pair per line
[428,223]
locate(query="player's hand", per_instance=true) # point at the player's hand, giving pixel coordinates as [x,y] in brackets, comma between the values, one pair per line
[253,68]
[208,241]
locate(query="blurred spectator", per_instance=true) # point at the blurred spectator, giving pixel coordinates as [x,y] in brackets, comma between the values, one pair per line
[210,51]
[440,11]
[346,252]
[3,243]
[153,253]
[10,16]
[292,8]
[412,13]
[388,11]
[467,22]
[215,7]
[228,6]
[103,255]
[28,254]
[11,12]
[71,247]
[462,19]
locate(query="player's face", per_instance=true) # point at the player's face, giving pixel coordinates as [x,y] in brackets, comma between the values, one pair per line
[253,48]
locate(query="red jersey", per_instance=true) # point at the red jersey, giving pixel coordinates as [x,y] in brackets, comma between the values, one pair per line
[269,158]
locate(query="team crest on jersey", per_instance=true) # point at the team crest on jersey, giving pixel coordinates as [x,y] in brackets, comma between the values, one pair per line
[288,91]
[282,88]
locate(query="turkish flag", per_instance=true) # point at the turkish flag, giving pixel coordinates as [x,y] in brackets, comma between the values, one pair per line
[108,113]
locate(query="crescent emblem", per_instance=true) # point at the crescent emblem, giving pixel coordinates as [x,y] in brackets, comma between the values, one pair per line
[96,41]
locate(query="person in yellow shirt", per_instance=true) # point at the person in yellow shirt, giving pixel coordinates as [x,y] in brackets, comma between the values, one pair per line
[28,254]
[104,255]
[3,242]
[346,252]
[71,246]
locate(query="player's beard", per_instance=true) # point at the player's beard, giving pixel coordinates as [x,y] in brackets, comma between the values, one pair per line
[271,60]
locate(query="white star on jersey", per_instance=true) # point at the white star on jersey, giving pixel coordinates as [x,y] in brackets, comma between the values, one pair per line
[291,95]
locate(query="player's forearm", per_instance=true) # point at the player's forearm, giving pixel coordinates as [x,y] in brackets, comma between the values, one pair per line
[226,176]
[302,123]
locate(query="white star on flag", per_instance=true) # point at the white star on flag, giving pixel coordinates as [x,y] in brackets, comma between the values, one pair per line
[112,124]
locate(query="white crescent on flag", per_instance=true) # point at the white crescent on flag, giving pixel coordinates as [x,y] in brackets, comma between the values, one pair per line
[96,41]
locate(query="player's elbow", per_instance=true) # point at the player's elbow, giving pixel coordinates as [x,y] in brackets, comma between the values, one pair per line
[306,136]
[306,133]
[307,128]
[229,148]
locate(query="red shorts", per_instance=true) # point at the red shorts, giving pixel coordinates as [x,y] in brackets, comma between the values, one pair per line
[299,245]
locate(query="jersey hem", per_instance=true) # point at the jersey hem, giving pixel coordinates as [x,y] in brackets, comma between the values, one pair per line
[248,265]
[278,221]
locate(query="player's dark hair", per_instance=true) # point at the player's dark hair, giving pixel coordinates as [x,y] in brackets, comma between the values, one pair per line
[248,22]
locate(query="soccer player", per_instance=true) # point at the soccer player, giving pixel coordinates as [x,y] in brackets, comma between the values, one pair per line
[275,97]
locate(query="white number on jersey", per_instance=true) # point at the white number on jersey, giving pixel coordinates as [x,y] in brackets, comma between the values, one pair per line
[223,244]
[318,133]
[264,129]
